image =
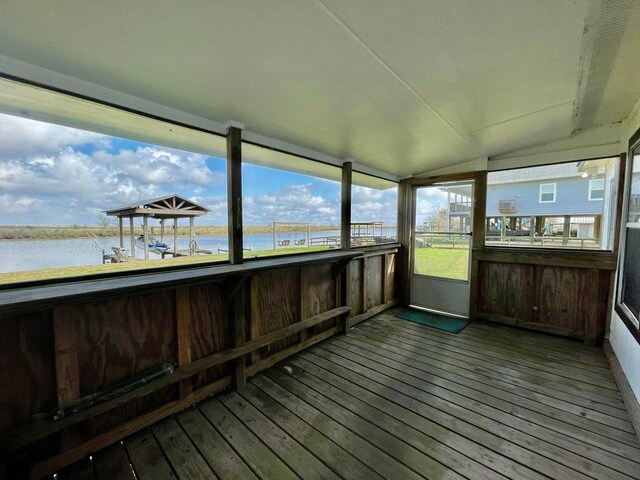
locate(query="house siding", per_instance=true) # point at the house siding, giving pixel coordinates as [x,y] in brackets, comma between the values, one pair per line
[572,198]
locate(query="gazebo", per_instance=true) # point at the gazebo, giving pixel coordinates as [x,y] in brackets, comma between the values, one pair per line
[169,207]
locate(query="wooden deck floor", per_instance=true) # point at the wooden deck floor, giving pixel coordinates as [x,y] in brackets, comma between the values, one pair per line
[394,399]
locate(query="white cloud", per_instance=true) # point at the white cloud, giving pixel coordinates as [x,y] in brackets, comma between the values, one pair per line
[370,205]
[292,203]
[70,174]
[24,137]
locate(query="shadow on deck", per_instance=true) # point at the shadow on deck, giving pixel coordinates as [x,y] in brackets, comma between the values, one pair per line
[395,399]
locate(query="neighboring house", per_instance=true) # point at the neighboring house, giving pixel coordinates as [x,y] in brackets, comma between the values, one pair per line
[571,199]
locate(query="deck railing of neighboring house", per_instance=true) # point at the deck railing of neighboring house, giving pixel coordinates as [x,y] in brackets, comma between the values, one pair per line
[543,241]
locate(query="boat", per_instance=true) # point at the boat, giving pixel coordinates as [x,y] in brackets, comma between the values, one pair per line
[153,243]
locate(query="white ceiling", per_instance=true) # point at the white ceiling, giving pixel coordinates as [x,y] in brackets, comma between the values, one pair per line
[402,86]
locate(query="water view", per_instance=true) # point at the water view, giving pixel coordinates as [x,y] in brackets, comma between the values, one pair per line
[24,255]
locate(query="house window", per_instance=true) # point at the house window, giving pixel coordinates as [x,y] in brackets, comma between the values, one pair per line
[628,303]
[549,206]
[547,192]
[596,189]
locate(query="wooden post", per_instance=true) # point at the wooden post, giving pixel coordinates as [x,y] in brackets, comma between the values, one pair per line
[133,237]
[256,315]
[303,278]
[308,236]
[121,231]
[273,234]
[591,314]
[239,333]
[345,209]
[478,238]
[66,356]
[67,372]
[162,229]
[532,229]
[234,193]
[566,230]
[146,237]
[191,236]
[405,234]
[175,236]
[183,334]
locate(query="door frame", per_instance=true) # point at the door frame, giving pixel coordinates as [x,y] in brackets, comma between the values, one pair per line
[406,229]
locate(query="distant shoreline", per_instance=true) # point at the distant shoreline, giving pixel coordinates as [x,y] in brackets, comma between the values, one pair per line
[36,232]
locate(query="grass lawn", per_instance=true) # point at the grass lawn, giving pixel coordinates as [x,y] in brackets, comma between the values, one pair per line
[138,265]
[442,262]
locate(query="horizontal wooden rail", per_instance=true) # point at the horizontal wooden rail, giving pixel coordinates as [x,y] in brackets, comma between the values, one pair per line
[553,258]
[18,438]
[370,313]
[40,297]
[55,463]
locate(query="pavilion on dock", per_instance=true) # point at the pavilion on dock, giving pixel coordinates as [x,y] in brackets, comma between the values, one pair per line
[163,208]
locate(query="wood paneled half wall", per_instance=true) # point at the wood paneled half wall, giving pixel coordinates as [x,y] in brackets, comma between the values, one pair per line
[211,326]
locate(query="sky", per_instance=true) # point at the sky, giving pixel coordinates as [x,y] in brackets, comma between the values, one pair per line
[56,175]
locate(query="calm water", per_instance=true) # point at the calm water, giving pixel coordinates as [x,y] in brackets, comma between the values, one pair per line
[21,255]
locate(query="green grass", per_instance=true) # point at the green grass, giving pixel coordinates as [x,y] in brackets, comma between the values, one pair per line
[80,231]
[442,262]
[143,266]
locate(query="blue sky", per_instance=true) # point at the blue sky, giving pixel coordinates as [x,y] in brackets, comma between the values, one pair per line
[55,175]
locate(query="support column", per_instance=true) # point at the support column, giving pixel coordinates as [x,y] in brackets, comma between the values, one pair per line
[175,236]
[146,237]
[121,231]
[273,235]
[479,221]
[234,193]
[566,230]
[345,209]
[162,229]
[191,236]
[405,234]
[133,237]
[532,229]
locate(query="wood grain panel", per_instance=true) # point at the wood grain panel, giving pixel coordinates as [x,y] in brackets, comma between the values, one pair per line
[278,302]
[564,297]
[27,376]
[390,278]
[373,272]
[506,290]
[119,338]
[210,329]
[355,290]
[319,294]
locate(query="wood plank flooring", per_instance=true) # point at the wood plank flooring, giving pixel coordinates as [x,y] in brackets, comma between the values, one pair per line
[397,400]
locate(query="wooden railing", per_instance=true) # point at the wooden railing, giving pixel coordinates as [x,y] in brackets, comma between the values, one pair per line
[217,325]
[561,292]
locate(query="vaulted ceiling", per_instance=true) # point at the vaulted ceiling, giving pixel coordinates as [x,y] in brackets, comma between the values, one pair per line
[402,86]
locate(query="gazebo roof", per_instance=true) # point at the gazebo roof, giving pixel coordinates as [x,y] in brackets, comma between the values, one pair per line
[169,206]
